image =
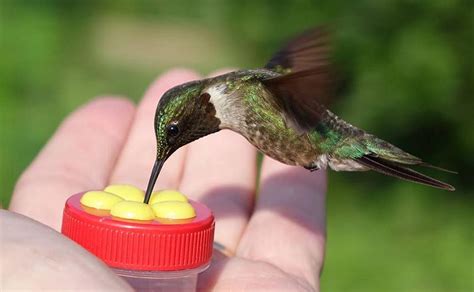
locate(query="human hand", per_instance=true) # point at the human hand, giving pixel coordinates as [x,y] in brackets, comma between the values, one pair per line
[277,238]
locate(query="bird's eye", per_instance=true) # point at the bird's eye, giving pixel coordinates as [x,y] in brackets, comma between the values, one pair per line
[172,130]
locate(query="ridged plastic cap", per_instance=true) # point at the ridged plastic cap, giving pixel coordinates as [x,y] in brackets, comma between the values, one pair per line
[148,246]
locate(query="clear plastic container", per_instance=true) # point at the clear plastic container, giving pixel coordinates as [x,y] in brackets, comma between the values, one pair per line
[158,255]
[184,280]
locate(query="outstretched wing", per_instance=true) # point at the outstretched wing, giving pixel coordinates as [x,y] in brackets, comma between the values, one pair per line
[306,51]
[306,83]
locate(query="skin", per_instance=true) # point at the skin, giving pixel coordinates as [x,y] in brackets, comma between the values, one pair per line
[278,237]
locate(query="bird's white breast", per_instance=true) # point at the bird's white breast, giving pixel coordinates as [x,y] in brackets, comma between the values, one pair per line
[226,105]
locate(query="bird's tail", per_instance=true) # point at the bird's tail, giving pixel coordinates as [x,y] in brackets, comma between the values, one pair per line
[371,153]
[385,158]
[401,171]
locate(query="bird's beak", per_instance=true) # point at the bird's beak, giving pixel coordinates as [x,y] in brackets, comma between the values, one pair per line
[154,175]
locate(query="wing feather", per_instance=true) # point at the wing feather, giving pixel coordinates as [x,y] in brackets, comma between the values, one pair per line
[306,83]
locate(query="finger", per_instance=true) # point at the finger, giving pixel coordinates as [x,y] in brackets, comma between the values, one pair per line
[78,157]
[137,158]
[221,172]
[35,257]
[237,274]
[287,228]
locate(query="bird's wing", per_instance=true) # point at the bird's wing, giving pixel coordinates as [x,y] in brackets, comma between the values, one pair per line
[306,51]
[306,83]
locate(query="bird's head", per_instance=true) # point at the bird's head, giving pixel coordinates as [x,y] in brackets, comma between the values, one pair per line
[184,114]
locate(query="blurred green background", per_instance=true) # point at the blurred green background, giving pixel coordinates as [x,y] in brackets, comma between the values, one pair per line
[409,72]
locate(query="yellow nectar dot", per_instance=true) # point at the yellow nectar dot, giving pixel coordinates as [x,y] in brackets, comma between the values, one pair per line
[127,192]
[166,196]
[174,210]
[132,210]
[100,200]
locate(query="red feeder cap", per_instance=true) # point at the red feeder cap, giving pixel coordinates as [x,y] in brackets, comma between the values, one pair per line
[149,246]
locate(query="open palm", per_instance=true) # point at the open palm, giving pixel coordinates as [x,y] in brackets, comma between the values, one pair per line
[277,237]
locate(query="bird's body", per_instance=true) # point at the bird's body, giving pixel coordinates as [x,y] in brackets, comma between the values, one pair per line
[243,105]
[280,109]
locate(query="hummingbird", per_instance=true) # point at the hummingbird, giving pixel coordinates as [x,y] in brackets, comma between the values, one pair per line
[281,110]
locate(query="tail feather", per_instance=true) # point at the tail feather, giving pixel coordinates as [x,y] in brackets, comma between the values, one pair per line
[438,168]
[396,169]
